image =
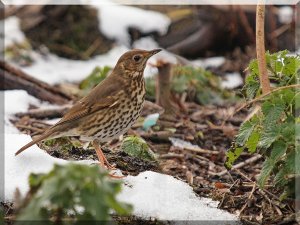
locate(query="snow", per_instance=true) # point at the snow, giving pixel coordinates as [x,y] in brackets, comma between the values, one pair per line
[68,70]
[210,62]
[232,80]
[179,143]
[12,32]
[285,14]
[18,168]
[16,101]
[116,19]
[163,197]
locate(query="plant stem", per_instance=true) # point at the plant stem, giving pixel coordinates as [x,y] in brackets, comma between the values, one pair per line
[260,49]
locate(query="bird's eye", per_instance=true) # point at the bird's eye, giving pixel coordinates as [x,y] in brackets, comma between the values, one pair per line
[137,58]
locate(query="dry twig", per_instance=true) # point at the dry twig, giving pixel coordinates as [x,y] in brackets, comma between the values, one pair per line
[241,164]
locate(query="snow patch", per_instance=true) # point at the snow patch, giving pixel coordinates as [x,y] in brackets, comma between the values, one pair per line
[213,62]
[16,101]
[166,198]
[12,32]
[115,19]
[232,80]
[285,14]
[18,168]
[67,70]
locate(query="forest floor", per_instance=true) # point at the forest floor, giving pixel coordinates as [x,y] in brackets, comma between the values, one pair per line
[202,168]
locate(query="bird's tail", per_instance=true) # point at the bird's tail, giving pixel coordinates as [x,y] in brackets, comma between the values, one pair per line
[38,139]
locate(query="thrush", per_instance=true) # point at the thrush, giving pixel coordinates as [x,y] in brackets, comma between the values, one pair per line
[109,110]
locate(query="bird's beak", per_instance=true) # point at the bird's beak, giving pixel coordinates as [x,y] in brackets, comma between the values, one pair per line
[153,52]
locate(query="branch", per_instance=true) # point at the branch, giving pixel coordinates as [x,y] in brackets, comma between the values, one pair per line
[241,164]
[15,78]
[258,99]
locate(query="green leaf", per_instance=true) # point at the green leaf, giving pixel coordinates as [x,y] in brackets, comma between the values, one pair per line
[66,188]
[253,141]
[246,130]
[269,135]
[137,147]
[200,85]
[252,88]
[287,168]
[276,130]
[273,111]
[232,155]
[278,150]
[288,129]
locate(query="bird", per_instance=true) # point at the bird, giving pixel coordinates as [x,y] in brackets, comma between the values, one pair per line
[109,110]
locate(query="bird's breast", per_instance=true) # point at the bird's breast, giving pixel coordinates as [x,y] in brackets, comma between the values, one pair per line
[115,121]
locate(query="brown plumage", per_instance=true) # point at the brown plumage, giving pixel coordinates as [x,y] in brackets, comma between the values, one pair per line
[109,109]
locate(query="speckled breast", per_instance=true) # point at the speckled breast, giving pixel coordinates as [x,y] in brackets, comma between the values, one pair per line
[117,120]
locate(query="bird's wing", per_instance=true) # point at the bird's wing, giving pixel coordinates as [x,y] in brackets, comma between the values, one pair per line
[104,95]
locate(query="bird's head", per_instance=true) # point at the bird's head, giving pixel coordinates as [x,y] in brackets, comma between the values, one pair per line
[134,61]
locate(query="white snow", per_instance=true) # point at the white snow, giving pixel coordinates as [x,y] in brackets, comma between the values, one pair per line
[18,168]
[16,101]
[176,142]
[67,70]
[232,80]
[163,197]
[12,32]
[116,19]
[209,62]
[285,14]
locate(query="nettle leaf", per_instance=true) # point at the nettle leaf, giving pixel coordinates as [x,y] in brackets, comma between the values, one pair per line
[137,147]
[278,150]
[288,96]
[273,111]
[252,142]
[252,86]
[246,130]
[268,136]
[84,191]
[276,129]
[232,155]
[287,168]
[288,129]
[271,130]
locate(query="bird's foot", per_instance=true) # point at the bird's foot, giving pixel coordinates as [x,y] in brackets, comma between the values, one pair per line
[103,162]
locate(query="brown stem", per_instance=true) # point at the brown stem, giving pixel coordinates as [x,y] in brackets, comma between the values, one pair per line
[260,49]
[163,87]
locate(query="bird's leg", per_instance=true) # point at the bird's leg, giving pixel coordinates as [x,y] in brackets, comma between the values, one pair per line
[102,159]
